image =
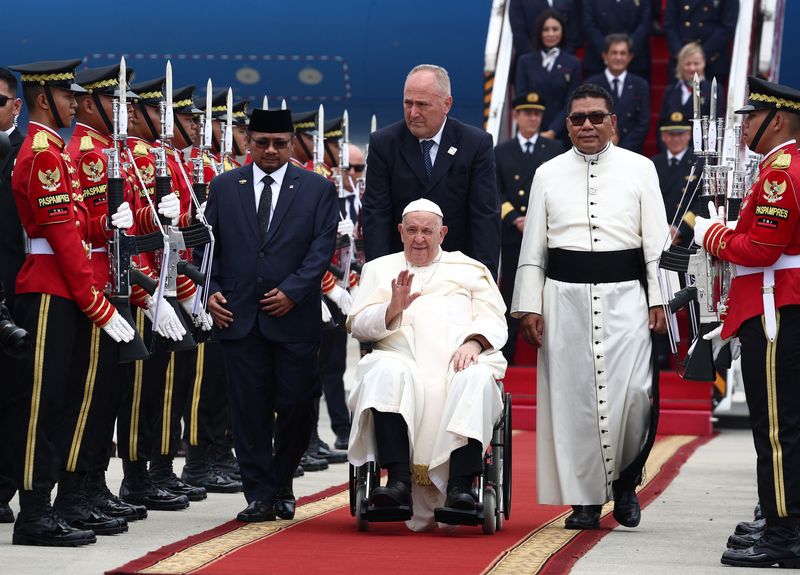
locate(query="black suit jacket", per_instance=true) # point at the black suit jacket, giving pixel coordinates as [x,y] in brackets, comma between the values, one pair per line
[672,182]
[632,109]
[462,183]
[12,242]
[604,17]
[522,15]
[515,169]
[293,257]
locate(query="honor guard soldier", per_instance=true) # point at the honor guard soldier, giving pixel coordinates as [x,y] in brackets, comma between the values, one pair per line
[58,299]
[516,162]
[305,124]
[174,375]
[241,154]
[90,424]
[763,310]
[136,431]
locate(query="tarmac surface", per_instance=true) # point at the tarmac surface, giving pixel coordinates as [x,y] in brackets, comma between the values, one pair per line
[683,531]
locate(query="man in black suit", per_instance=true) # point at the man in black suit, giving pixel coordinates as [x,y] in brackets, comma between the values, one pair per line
[12,249]
[432,156]
[516,162]
[674,167]
[630,92]
[275,226]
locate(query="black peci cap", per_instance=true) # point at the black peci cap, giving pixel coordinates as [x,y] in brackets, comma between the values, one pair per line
[271,121]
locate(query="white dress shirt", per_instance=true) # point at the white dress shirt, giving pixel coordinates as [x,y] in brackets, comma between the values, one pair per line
[275,186]
[611,77]
[522,141]
[437,138]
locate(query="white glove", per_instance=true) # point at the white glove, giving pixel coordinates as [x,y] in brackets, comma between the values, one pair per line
[701,224]
[203,319]
[201,210]
[341,298]
[326,313]
[346,227]
[170,206]
[717,343]
[118,329]
[123,217]
[169,325]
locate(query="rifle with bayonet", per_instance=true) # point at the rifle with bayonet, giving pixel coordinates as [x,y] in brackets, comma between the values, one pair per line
[121,246]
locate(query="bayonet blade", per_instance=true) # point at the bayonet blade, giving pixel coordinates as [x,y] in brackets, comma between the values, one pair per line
[207,133]
[320,135]
[123,101]
[346,139]
[265,103]
[283,104]
[169,118]
[229,122]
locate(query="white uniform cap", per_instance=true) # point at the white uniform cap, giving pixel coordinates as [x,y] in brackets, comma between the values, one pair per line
[423,205]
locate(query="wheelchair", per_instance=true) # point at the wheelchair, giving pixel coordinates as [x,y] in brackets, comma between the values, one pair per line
[492,487]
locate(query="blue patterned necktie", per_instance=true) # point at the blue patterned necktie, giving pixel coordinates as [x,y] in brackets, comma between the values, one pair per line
[426,156]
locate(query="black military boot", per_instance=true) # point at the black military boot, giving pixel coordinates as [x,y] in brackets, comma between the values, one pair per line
[222,459]
[6,513]
[165,478]
[199,472]
[72,504]
[39,524]
[321,450]
[138,489]
[778,545]
[102,498]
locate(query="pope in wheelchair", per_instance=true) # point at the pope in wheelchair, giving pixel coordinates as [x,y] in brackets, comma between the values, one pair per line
[425,400]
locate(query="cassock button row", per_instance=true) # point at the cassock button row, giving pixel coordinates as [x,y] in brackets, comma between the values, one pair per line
[523,208]
[521,192]
[516,176]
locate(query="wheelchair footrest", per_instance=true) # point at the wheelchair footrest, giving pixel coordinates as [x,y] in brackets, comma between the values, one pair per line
[452,516]
[385,514]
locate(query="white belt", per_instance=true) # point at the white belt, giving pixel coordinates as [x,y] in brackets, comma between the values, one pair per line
[40,246]
[768,290]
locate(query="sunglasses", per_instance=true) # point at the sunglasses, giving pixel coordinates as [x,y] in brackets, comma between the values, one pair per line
[4,99]
[267,142]
[358,168]
[594,117]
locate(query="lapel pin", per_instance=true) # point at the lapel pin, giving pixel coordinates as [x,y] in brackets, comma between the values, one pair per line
[242,181]
[452,151]
[291,186]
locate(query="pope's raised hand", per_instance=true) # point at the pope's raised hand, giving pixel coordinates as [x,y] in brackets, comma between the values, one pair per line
[401,296]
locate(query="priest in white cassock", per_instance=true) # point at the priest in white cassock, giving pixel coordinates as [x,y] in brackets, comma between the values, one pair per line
[588,297]
[425,400]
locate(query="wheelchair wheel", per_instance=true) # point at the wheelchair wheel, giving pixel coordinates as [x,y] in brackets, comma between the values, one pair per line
[507,458]
[361,523]
[489,511]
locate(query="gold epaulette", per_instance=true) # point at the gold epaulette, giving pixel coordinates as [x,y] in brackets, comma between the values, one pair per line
[40,142]
[86,144]
[140,149]
[782,162]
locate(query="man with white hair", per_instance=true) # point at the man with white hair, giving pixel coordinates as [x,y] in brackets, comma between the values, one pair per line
[425,400]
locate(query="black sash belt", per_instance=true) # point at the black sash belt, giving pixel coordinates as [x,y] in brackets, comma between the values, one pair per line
[595,267]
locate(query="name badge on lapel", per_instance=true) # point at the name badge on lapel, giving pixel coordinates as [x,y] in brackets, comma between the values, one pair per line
[452,151]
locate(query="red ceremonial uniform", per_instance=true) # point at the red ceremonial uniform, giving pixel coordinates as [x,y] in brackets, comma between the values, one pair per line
[767,228]
[47,193]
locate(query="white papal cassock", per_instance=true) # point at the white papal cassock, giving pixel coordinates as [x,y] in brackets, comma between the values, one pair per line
[594,369]
[410,369]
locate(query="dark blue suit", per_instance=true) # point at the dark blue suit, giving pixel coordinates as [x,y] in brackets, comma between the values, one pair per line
[711,23]
[522,15]
[553,86]
[632,109]
[604,17]
[271,362]
[462,183]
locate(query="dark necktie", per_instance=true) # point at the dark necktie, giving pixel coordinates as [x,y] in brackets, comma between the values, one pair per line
[528,148]
[351,208]
[265,206]
[426,156]
[673,163]
[615,86]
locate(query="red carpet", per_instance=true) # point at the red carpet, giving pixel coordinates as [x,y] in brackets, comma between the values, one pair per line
[323,537]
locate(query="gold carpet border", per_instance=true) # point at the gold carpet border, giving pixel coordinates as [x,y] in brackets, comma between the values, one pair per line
[202,554]
[534,551]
